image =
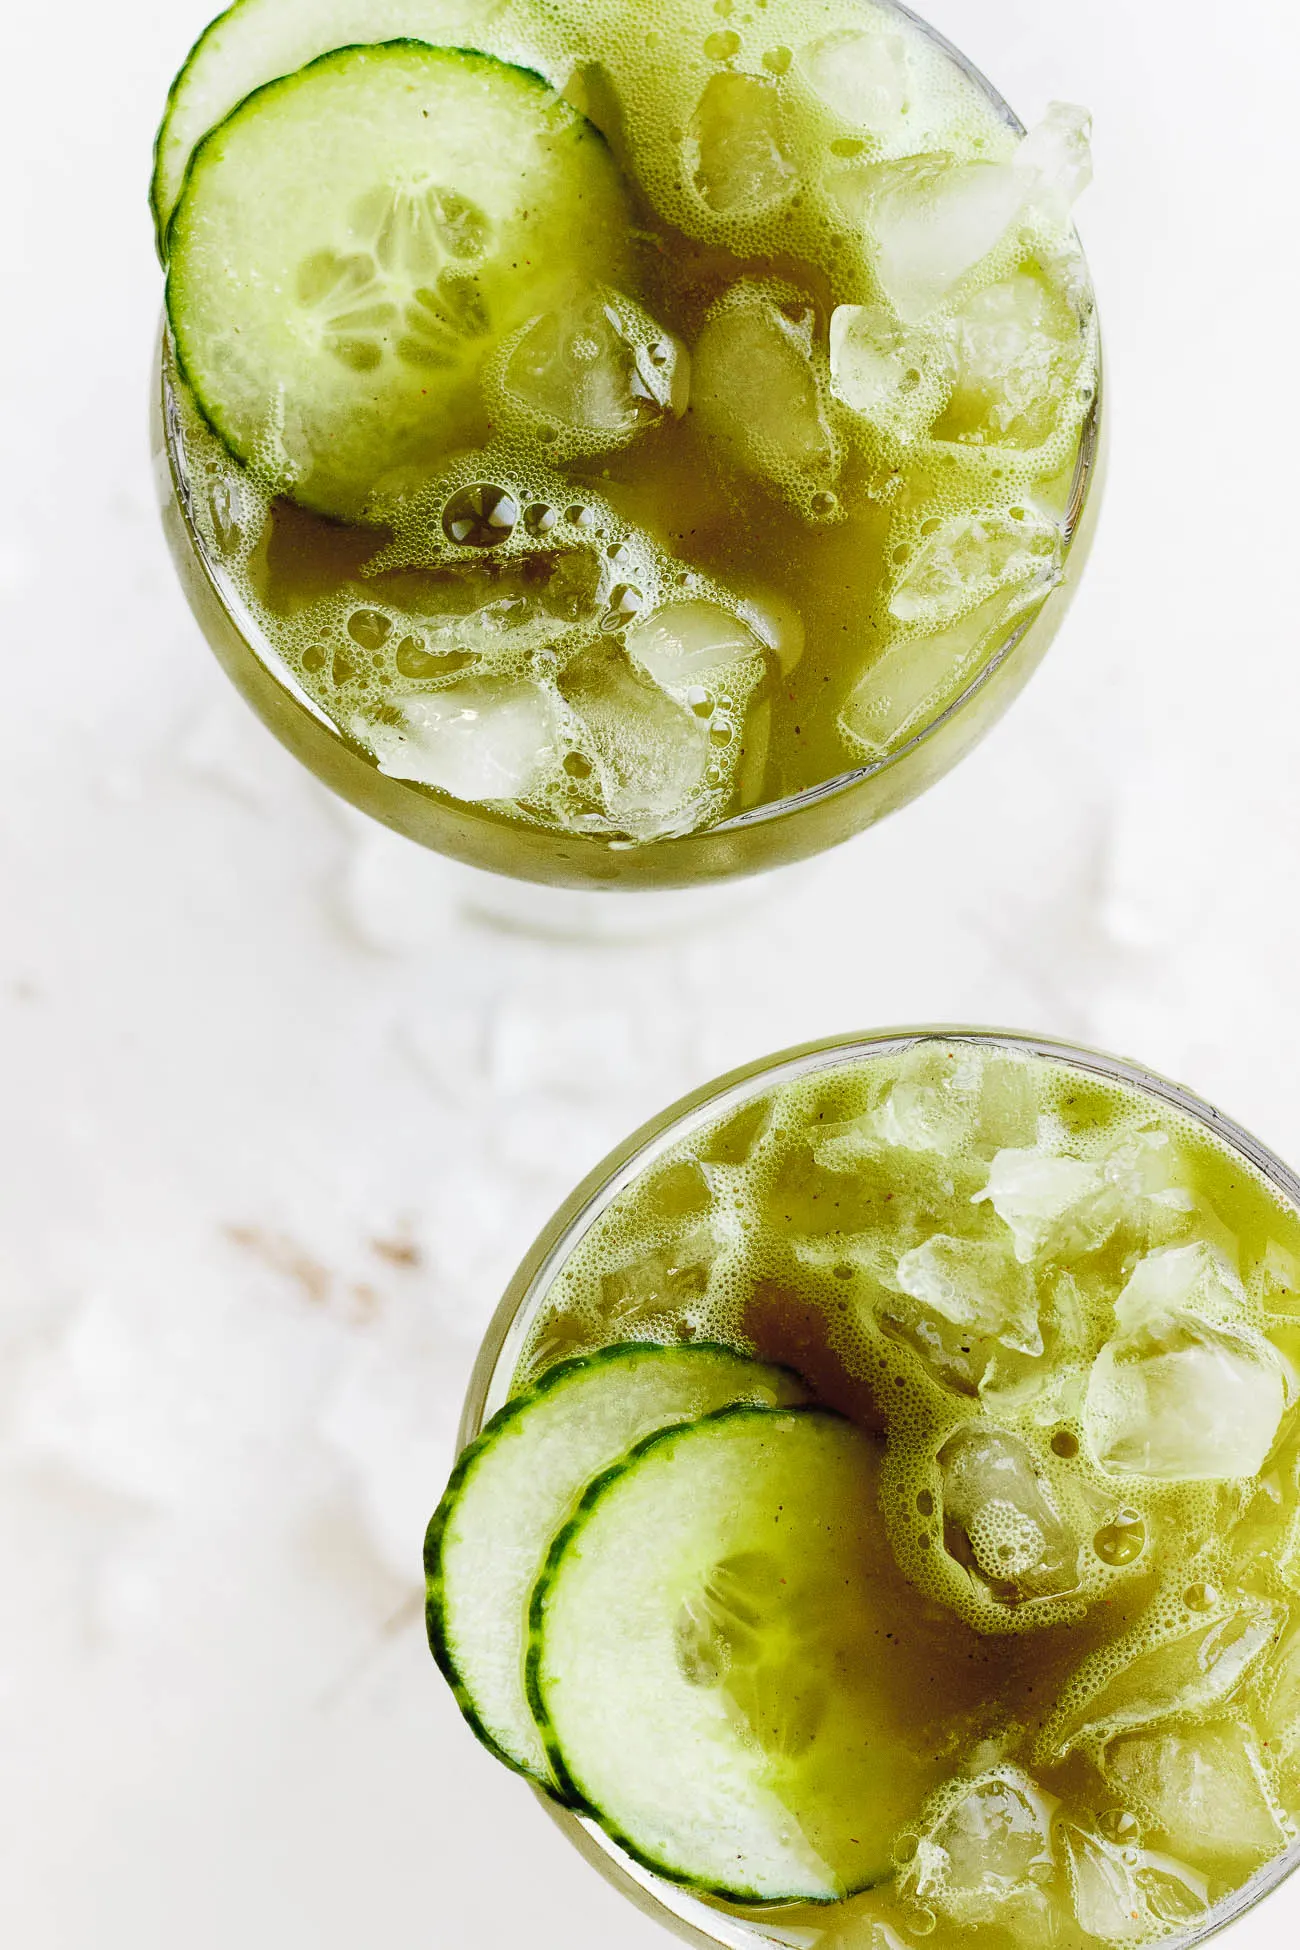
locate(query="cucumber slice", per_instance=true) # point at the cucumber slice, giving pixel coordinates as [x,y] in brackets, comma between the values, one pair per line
[353,239]
[516,1485]
[257,41]
[723,1665]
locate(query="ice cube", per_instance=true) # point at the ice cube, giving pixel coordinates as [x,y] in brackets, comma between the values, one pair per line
[1055,159]
[778,622]
[1122,1895]
[969,557]
[598,367]
[654,754]
[690,642]
[955,1360]
[861,75]
[945,1098]
[1068,1206]
[989,1851]
[1188,1671]
[930,220]
[734,1141]
[848,1191]
[756,389]
[1008,1104]
[736,153]
[1014,347]
[915,676]
[894,376]
[1143,1168]
[477,741]
[1106,1899]
[661,1283]
[1045,1199]
[976,1285]
[1192,1279]
[1204,1788]
[677,1191]
[478,608]
[1000,1521]
[933,1103]
[1262,1538]
[1174,1893]
[933,220]
[1003,1379]
[1182,1400]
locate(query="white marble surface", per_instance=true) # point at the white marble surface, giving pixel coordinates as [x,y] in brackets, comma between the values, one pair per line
[278,1115]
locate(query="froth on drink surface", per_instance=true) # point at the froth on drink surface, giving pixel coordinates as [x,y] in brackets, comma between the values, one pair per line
[1071,1316]
[750,517]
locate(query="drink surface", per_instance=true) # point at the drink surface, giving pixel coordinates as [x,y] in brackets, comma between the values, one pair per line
[1069,1317]
[749,488]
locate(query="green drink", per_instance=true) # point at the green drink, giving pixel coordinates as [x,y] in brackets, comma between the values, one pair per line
[884,1518]
[612,452]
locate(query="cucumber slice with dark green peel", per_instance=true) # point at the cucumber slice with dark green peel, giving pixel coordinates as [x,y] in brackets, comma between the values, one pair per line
[354,239]
[515,1487]
[257,41]
[721,1661]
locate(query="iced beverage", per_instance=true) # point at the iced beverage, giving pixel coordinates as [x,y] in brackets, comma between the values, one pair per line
[615,446]
[884,1524]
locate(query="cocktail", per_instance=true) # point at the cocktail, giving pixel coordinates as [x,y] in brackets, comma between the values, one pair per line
[614,449]
[880,1519]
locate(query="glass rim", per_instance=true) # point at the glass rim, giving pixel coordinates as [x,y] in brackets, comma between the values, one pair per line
[489,1387]
[1085,468]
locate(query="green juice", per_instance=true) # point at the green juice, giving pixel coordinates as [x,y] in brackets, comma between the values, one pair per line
[1063,1315]
[726,525]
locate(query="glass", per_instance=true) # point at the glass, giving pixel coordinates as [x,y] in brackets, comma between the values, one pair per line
[767,836]
[492,1383]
